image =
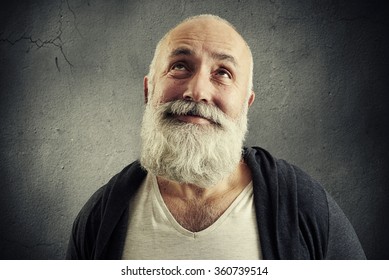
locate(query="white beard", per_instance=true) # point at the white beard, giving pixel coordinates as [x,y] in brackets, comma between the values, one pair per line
[188,153]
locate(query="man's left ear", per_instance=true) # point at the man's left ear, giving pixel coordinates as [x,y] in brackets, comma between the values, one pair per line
[146,89]
[251,98]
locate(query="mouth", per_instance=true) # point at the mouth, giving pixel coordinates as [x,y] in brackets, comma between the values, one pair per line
[190,118]
[194,119]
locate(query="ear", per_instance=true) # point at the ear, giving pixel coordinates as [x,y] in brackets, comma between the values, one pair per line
[251,98]
[146,89]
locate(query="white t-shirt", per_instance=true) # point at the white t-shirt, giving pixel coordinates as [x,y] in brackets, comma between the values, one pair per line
[153,233]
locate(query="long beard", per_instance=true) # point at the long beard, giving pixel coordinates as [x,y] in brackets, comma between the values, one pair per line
[188,153]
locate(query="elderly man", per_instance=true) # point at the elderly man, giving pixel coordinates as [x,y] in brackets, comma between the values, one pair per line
[196,193]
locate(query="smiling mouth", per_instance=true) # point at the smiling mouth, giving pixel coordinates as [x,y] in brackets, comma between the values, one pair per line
[192,118]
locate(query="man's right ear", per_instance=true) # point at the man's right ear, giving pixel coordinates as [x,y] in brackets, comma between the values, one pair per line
[146,89]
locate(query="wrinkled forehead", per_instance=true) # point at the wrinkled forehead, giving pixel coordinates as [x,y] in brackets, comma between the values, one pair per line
[207,33]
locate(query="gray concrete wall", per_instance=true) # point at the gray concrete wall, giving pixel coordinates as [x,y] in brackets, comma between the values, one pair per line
[71,103]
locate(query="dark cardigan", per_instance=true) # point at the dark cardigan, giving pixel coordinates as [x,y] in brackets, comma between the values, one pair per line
[296,217]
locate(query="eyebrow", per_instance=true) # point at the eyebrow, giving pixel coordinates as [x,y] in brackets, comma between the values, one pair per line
[181,51]
[214,55]
[223,56]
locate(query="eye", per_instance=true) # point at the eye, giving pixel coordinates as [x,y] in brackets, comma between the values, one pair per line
[179,67]
[223,73]
[180,70]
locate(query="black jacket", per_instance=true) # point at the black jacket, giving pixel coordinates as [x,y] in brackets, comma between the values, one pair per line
[297,219]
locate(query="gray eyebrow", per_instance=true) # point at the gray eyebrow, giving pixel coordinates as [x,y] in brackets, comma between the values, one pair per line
[223,56]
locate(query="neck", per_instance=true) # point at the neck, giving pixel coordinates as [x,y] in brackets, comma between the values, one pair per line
[196,208]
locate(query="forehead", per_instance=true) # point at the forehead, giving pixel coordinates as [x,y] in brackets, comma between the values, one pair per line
[207,35]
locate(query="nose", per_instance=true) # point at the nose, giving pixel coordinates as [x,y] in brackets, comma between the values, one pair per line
[199,88]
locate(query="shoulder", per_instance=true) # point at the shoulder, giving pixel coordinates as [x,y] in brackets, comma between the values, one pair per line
[298,203]
[119,185]
[109,200]
[343,241]
[282,174]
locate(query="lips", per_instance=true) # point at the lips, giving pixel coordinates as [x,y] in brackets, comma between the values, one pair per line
[193,119]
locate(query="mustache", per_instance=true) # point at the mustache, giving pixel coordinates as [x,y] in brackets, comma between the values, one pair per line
[192,108]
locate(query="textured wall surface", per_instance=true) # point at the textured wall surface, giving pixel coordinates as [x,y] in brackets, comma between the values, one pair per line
[71,74]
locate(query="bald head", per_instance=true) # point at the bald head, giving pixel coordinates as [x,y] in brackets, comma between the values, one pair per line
[205,28]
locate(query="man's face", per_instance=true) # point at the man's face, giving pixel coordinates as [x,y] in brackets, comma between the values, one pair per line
[204,61]
[196,117]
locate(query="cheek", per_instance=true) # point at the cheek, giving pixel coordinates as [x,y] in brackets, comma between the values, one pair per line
[168,91]
[230,103]
[232,109]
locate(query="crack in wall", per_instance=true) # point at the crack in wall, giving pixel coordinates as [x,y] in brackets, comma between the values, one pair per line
[74,17]
[40,44]
[56,41]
